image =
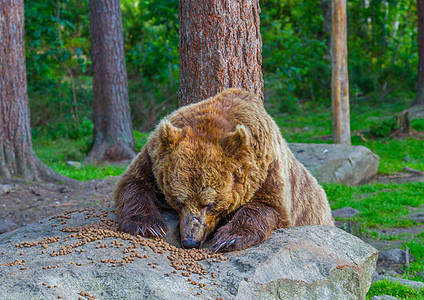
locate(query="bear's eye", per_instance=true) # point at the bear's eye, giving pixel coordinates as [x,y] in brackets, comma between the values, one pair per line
[209,207]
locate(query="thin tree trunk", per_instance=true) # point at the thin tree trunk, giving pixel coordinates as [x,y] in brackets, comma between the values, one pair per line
[113,138]
[16,155]
[340,81]
[220,47]
[420,84]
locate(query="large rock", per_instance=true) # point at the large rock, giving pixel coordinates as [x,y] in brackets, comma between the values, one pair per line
[5,188]
[7,225]
[351,165]
[311,262]
[396,256]
[416,112]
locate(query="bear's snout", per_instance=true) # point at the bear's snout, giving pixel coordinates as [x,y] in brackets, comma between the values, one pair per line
[189,243]
[193,230]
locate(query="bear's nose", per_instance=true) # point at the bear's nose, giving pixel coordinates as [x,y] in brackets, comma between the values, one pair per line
[188,244]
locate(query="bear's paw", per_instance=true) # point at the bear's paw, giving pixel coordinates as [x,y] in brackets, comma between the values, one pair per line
[152,225]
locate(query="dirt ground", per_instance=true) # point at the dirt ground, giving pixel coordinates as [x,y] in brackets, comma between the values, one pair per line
[27,202]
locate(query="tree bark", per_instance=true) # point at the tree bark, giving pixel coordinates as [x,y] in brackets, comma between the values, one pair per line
[220,47]
[113,137]
[340,81]
[17,158]
[419,99]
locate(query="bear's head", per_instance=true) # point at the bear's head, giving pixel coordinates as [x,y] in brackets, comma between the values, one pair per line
[202,176]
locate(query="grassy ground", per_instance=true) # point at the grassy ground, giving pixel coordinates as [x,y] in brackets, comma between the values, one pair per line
[382,206]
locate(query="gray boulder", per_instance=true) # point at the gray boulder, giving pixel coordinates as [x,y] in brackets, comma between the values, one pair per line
[416,217]
[311,262]
[384,297]
[7,225]
[345,212]
[351,165]
[5,188]
[416,112]
[396,256]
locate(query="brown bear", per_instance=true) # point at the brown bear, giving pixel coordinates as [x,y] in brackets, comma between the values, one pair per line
[222,159]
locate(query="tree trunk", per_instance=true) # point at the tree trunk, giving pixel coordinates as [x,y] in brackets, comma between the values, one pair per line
[113,138]
[420,84]
[16,155]
[220,47]
[340,81]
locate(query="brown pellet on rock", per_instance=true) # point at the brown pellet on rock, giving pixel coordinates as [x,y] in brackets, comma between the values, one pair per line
[49,286]
[59,297]
[3,253]
[44,283]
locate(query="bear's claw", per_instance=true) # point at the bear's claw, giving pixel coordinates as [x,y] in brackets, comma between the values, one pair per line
[221,245]
[155,230]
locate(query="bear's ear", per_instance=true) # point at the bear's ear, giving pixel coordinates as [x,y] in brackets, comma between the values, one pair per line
[169,135]
[236,140]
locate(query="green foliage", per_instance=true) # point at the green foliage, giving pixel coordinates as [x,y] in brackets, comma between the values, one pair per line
[294,52]
[296,57]
[383,128]
[394,289]
[418,124]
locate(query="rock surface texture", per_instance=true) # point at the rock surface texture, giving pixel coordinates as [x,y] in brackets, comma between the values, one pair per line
[312,262]
[351,165]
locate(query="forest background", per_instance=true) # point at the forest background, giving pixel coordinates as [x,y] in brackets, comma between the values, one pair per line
[382,48]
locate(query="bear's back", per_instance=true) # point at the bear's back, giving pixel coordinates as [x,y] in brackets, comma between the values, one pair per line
[219,115]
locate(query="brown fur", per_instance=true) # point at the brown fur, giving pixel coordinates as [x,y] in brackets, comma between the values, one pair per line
[221,157]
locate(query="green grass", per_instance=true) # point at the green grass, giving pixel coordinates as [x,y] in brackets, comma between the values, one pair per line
[56,152]
[382,205]
[397,290]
